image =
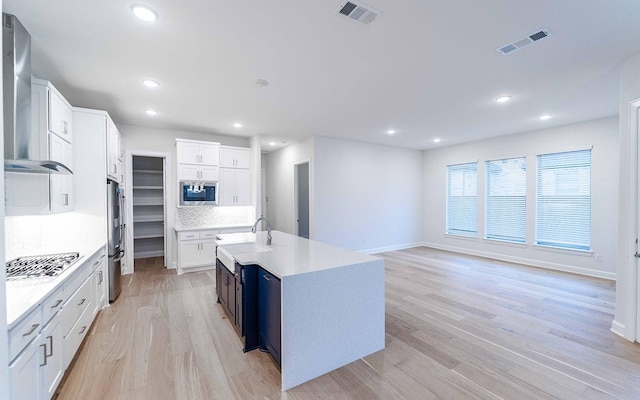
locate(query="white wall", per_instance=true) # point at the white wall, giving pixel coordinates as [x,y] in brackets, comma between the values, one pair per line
[624,323]
[280,189]
[367,197]
[601,134]
[145,140]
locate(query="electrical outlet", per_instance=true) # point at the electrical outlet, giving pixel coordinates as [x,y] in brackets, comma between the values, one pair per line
[598,257]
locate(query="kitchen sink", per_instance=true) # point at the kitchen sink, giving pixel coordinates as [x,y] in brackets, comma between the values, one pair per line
[241,248]
[228,252]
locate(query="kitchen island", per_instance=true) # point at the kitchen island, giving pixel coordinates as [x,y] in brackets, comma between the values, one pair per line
[331,300]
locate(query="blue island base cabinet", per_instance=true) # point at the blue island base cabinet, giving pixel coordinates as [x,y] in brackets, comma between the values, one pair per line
[269,313]
[238,295]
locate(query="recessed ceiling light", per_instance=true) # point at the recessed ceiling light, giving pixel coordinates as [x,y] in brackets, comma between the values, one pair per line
[545,117]
[144,12]
[436,140]
[237,125]
[272,143]
[391,132]
[150,112]
[262,82]
[503,99]
[150,83]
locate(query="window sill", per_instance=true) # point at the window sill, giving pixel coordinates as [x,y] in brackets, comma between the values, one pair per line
[452,235]
[506,243]
[576,252]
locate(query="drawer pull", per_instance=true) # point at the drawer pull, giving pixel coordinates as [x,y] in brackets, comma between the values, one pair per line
[84,328]
[82,302]
[33,328]
[266,277]
[57,304]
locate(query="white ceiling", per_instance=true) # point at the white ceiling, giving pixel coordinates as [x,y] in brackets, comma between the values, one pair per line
[426,68]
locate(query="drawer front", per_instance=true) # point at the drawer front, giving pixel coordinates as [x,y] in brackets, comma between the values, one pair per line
[208,234]
[78,278]
[52,305]
[96,260]
[74,307]
[24,332]
[74,338]
[188,235]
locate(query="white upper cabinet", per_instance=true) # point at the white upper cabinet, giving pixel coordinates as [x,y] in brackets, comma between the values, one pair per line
[60,186]
[235,187]
[60,115]
[51,139]
[188,172]
[114,153]
[235,157]
[198,153]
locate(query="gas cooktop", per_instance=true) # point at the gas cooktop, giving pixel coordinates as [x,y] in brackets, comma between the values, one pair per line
[40,266]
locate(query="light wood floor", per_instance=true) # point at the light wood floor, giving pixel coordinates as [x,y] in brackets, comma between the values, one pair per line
[457,327]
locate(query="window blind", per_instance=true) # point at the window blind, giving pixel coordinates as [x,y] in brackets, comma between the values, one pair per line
[462,190]
[563,200]
[505,205]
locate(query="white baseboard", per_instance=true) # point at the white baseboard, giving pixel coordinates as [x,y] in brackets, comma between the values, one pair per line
[390,248]
[526,261]
[620,330]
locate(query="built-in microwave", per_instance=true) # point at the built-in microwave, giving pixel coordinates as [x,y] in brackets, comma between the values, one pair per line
[198,193]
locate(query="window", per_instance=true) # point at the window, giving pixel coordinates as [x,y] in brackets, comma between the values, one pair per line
[505,207]
[462,199]
[563,200]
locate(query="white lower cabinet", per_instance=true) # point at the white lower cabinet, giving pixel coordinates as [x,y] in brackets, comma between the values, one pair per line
[98,285]
[196,249]
[52,366]
[37,371]
[45,341]
[24,373]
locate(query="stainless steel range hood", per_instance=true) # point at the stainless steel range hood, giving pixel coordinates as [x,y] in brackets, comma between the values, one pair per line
[21,154]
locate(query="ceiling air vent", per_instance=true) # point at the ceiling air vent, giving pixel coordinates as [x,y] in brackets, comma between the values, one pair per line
[525,41]
[359,12]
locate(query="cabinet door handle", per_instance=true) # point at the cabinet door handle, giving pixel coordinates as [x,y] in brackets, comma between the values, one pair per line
[30,331]
[44,346]
[101,278]
[57,304]
[50,339]
[84,328]
[66,199]
[82,302]
[64,127]
[266,277]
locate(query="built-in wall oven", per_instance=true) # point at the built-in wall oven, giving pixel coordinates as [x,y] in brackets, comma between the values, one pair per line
[198,193]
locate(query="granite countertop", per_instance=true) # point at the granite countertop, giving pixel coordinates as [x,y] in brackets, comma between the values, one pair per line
[289,255]
[24,295]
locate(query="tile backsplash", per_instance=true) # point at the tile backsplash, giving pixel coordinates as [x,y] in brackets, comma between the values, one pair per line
[215,216]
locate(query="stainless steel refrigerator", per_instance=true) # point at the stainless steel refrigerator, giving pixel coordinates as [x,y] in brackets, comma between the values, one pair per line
[115,228]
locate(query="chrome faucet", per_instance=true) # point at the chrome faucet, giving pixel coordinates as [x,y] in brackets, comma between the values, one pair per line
[255,226]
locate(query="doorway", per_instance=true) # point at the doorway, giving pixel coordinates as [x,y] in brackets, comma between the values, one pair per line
[147,209]
[301,201]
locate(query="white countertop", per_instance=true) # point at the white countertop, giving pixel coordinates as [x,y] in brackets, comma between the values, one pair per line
[206,227]
[23,295]
[291,255]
